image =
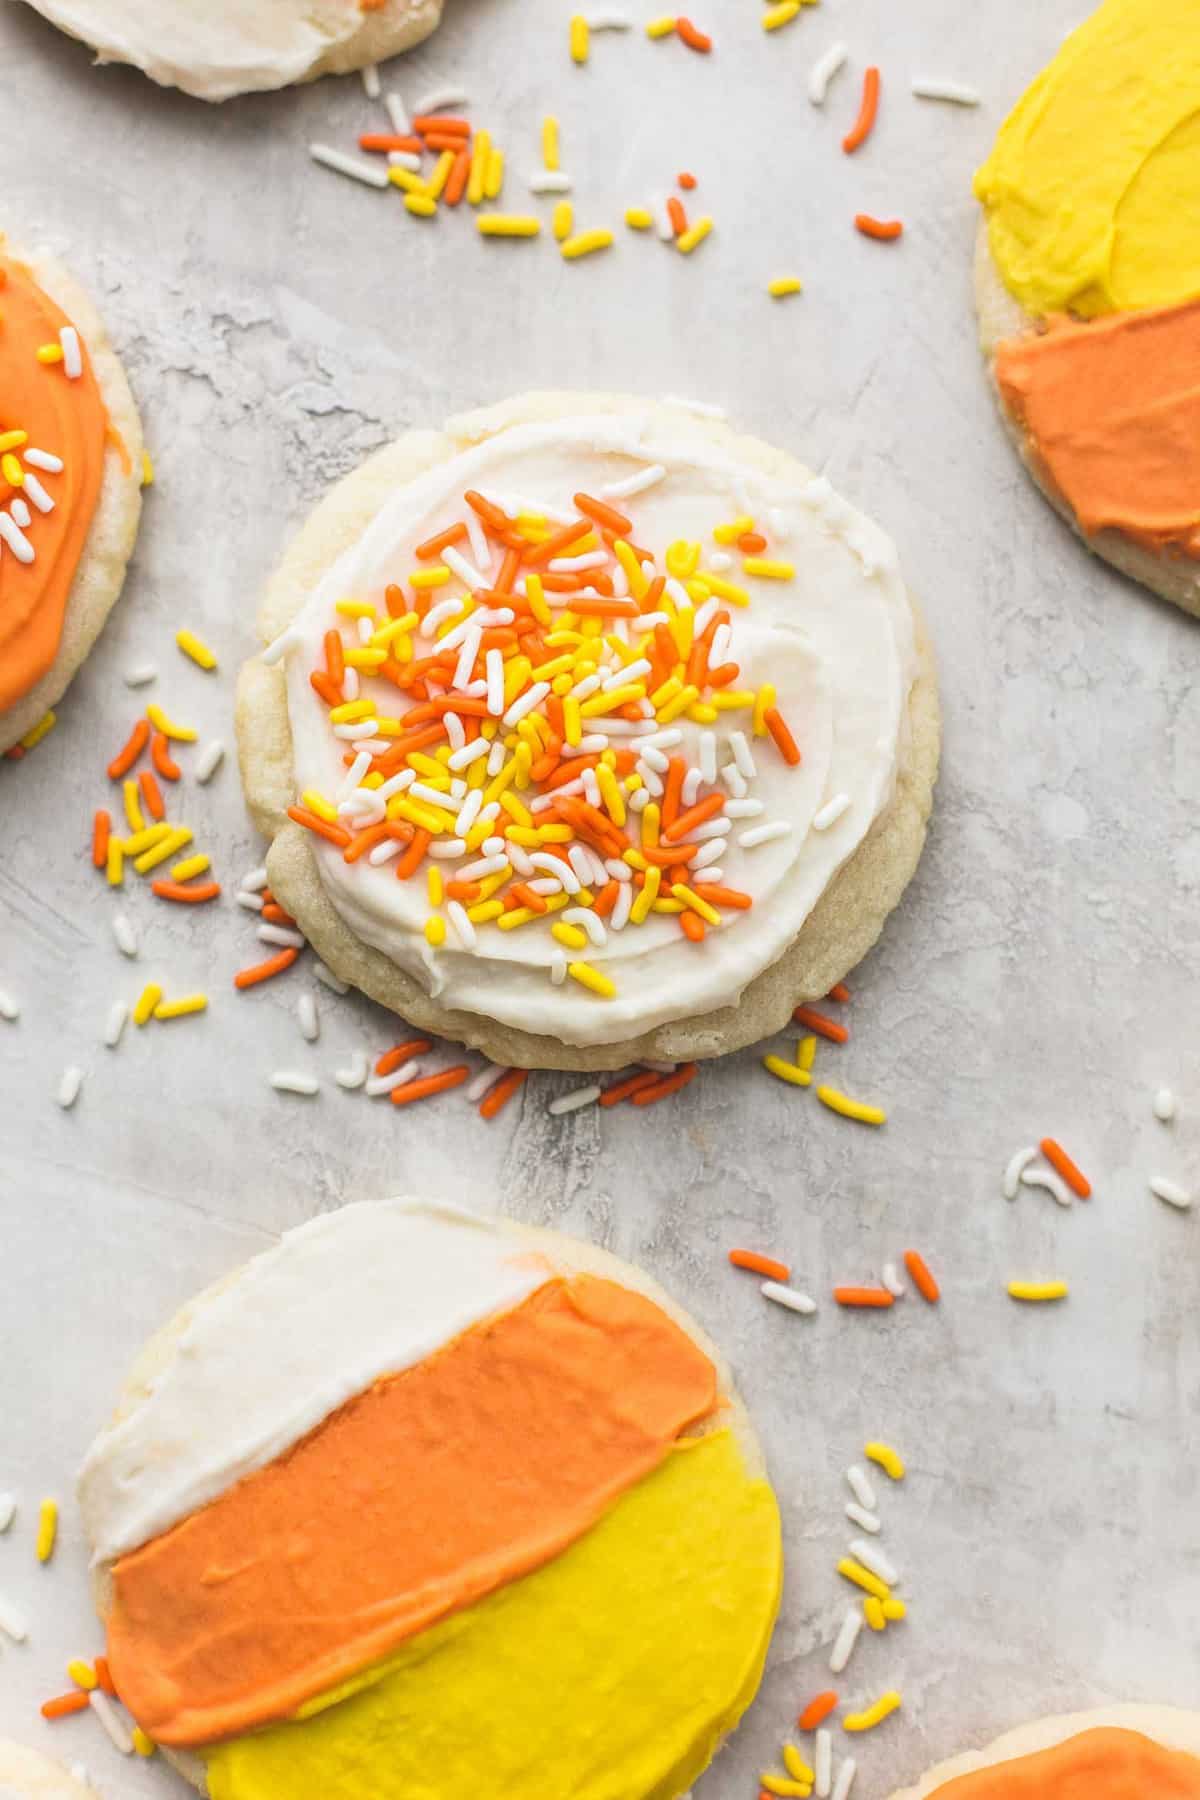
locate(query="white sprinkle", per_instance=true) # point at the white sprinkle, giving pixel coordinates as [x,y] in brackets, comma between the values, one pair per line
[8,1511]
[873,1558]
[9,1007]
[718,562]
[470,753]
[37,493]
[384,853]
[926,89]
[860,1486]
[824,1763]
[634,484]
[354,774]
[14,537]
[291,1081]
[690,791]
[371,174]
[21,512]
[478,543]
[465,666]
[847,1637]
[549,181]
[574,565]
[279,934]
[558,958]
[702,407]
[404,159]
[330,980]
[355,1072]
[711,853]
[111,1720]
[354,734]
[619,916]
[609,21]
[441,100]
[587,921]
[464,930]
[858,1515]
[251,902]
[764,834]
[1170,1191]
[279,647]
[892,1281]
[485,866]
[123,932]
[1044,1178]
[378,1085]
[445,609]
[140,675]
[118,1013]
[209,760]
[584,1096]
[845,1780]
[467,572]
[722,637]
[831,812]
[1017,1165]
[790,1297]
[42,459]
[255,881]
[824,70]
[307,1019]
[12,1622]
[486,1080]
[533,696]
[370,80]
[734,780]
[708,757]
[494,666]
[68,337]
[448,849]
[742,755]
[69,1086]
[397,112]
[1164,1105]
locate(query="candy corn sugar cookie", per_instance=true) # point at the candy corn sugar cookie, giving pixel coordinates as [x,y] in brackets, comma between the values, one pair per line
[1088,287]
[70,484]
[590,730]
[26,1775]
[1117,1753]
[415,1504]
[217,48]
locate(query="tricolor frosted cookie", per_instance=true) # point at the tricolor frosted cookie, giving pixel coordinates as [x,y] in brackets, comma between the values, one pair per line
[70,484]
[1088,286]
[416,1505]
[217,48]
[590,730]
[26,1775]
[1118,1753]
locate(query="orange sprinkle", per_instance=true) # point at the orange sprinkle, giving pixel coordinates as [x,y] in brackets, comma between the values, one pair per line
[391,1059]
[15,753]
[152,795]
[752,543]
[521,895]
[387,140]
[860,131]
[686,180]
[695,815]
[1074,1177]
[604,514]
[431,1084]
[693,927]
[124,760]
[366,840]
[606,899]
[460,174]
[329,691]
[490,514]
[335,661]
[190,893]
[883,229]
[632,1084]
[839,991]
[410,862]
[449,140]
[817,1710]
[673,787]
[160,756]
[263,971]
[922,1275]
[723,896]
[760,1265]
[670,1084]
[273,914]
[427,122]
[677,216]
[104,1676]
[559,542]
[863,1296]
[694,39]
[434,546]
[499,1096]
[334,833]
[785,742]
[826,1028]
[75,1701]
[101,832]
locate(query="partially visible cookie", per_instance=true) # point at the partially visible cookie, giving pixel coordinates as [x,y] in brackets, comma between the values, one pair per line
[1115,1753]
[70,483]
[27,1775]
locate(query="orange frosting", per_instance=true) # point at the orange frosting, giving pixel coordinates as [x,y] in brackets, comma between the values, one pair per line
[1113,411]
[67,419]
[1105,1764]
[430,1490]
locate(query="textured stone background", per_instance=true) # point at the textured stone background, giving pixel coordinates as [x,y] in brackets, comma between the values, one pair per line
[278,323]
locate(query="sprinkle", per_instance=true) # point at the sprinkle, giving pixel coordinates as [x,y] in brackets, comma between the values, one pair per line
[1016,1167]
[851,1109]
[645,478]
[397,112]
[688,240]
[109,1717]
[549,181]
[954,91]
[502,1084]
[104,1677]
[764,834]
[670,1084]
[610,21]
[831,812]
[158,718]
[194,647]
[143,1745]
[873,1613]
[861,130]
[118,1014]
[878,1298]
[49,353]
[190,866]
[182,1008]
[255,881]
[68,337]
[69,1086]
[860,1486]
[43,728]
[370,80]
[817,1710]
[441,99]
[759,1265]
[370,174]
[306,1017]
[873,1715]
[550,147]
[65,1704]
[783,1785]
[209,761]
[889,1460]
[578,1097]
[47,1531]
[824,1761]
[355,1074]
[786,1071]
[661,27]
[694,39]
[923,1279]
[82,1674]
[1164,1105]
[9,1007]
[146,1002]
[847,1637]
[563,220]
[187,893]
[8,1511]
[585,243]
[823,1026]
[1163,1188]
[140,675]
[509,225]
[790,1297]
[125,758]
[431,1084]
[592,979]
[123,932]
[292,1081]
[12,1622]
[884,230]
[1042,1178]
[579,39]
[281,934]
[872,1557]
[263,971]
[781,14]
[890,1277]
[858,1515]
[1074,1177]
[845,1780]
[783,285]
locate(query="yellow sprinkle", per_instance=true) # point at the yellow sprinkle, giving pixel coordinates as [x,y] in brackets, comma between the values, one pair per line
[796,1766]
[806,1052]
[764,700]
[350,712]
[708,913]
[585,242]
[683,559]
[44,726]
[783,1784]
[570,935]
[874,1614]
[521,915]
[783,285]
[661,27]
[133,807]
[687,241]
[49,353]
[142,840]
[610,793]
[47,1531]
[592,979]
[564,220]
[874,1715]
[634,858]
[733,529]
[889,1460]
[651,820]
[355,609]
[786,1071]
[10,468]
[731,700]
[513,225]
[13,440]
[436,577]
[199,652]
[82,1674]
[863,1578]
[639,218]
[145,1746]
[364,657]
[768,570]
[600,704]
[114,867]
[183,734]
[421,206]
[640,909]
[317,803]
[726,590]
[484,911]
[182,1008]
[850,1109]
[436,886]
[393,629]
[493,177]
[191,865]
[480,151]
[435,930]
[683,699]
[703,714]
[783,14]
[174,841]
[632,567]
[580,37]
[147,470]
[675,907]
[440,175]
[550,142]
[146,1002]
[406,180]
[1038,1290]
[893,1609]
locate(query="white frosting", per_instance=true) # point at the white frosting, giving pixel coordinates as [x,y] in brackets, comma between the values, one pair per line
[211,48]
[301,1329]
[836,642]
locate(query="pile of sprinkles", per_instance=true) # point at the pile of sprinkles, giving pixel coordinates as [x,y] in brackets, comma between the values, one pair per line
[777,1286]
[798,1072]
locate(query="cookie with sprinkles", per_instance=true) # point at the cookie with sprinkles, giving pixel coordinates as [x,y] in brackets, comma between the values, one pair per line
[27,1775]
[1087,279]
[70,485]
[590,730]
[375,1516]
[1115,1753]
[215,49]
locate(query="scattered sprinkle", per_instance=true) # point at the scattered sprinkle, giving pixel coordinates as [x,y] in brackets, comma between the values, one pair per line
[786,1071]
[1038,1290]
[579,39]
[868,110]
[8,1511]
[356,1071]
[847,1637]
[859,1483]
[883,1708]
[47,1531]
[1058,1159]
[922,1277]
[820,1023]
[783,285]
[292,1081]
[1016,1167]
[858,1515]
[1164,1105]
[141,675]
[1163,1188]
[1042,1178]
[196,649]
[582,1096]
[851,1109]
[182,1008]
[845,1779]
[889,1460]
[328,979]
[760,1265]
[890,1276]
[12,1621]
[111,1720]
[790,1297]
[125,935]
[954,91]
[883,230]
[306,1018]
[69,1085]
[118,1015]
[370,174]
[585,243]
[817,1710]
[9,1007]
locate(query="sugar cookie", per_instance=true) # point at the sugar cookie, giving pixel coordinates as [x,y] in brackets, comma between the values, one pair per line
[1115,1753]
[27,1775]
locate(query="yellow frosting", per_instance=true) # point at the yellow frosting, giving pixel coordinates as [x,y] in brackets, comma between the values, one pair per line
[612,1673]
[1093,188]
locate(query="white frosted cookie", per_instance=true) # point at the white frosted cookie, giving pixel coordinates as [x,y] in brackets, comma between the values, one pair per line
[510,1445]
[217,48]
[1087,287]
[792,773]
[1118,1743]
[70,483]
[27,1775]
